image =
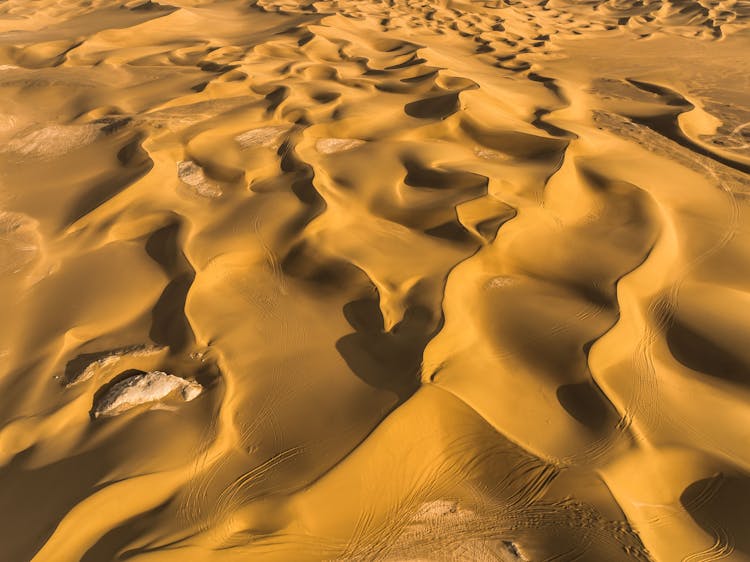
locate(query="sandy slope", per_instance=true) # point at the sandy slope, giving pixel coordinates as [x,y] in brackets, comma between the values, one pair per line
[445,280]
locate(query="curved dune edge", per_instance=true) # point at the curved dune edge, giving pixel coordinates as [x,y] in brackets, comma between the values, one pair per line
[352,280]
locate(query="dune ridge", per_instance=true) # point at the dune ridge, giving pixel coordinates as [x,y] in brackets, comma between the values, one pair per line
[374,280]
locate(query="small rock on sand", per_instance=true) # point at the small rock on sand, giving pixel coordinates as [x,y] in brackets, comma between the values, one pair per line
[192,175]
[330,146]
[143,388]
[263,136]
[514,550]
[443,530]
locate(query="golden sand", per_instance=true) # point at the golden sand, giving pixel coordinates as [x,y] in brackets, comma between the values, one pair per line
[374,280]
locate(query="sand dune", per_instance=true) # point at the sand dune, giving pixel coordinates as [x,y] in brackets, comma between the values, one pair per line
[374,280]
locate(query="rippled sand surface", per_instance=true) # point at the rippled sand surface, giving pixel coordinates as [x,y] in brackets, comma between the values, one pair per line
[374,280]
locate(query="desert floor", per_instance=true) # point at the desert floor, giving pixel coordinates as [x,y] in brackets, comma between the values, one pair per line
[355,280]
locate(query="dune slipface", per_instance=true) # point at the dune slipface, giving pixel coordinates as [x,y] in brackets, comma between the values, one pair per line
[364,280]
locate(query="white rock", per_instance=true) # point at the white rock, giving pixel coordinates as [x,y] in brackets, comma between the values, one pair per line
[192,175]
[263,136]
[488,154]
[501,281]
[191,391]
[330,146]
[51,140]
[143,388]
